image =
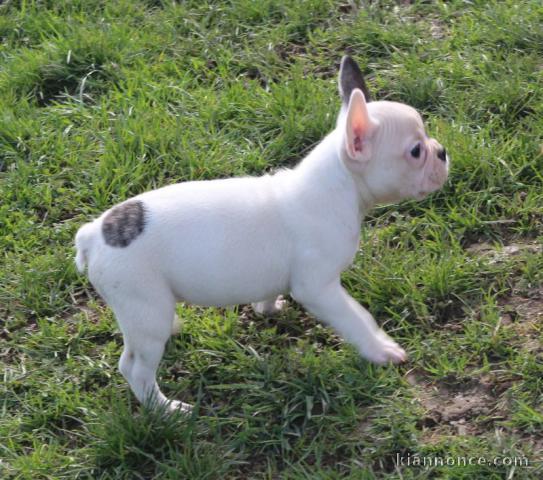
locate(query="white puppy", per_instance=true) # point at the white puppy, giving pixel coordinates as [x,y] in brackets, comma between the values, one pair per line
[242,240]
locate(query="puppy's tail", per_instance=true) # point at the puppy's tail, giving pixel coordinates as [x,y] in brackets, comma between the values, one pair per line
[84,241]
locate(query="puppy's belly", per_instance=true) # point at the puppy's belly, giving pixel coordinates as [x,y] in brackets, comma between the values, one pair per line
[220,282]
[237,265]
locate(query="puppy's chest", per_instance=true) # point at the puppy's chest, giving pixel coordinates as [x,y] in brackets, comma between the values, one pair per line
[339,245]
[350,249]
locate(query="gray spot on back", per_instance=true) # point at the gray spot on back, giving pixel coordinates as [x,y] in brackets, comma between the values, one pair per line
[124,223]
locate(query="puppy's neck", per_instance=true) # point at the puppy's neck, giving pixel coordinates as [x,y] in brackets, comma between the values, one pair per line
[324,169]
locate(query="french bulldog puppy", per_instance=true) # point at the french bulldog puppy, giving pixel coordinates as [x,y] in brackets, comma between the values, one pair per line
[242,240]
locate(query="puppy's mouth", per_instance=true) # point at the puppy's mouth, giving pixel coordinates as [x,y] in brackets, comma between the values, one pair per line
[434,178]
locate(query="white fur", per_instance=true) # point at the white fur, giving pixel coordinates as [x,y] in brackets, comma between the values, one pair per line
[243,240]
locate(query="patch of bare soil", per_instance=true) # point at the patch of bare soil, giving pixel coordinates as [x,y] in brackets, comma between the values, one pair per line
[91,314]
[521,311]
[455,409]
[495,254]
[524,315]
[474,407]
[85,303]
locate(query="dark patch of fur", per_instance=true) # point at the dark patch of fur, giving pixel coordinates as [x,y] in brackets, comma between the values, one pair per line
[124,223]
[350,78]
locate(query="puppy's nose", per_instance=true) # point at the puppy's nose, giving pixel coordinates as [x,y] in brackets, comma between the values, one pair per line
[442,154]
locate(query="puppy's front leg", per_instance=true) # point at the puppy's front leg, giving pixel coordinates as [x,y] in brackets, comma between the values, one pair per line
[333,305]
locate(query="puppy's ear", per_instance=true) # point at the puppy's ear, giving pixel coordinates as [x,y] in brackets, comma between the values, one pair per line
[350,77]
[359,127]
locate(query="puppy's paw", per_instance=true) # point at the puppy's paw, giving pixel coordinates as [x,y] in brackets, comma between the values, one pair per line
[175,406]
[384,350]
[279,305]
[176,325]
[269,308]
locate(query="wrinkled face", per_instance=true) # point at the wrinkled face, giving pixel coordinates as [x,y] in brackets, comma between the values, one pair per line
[404,162]
[384,144]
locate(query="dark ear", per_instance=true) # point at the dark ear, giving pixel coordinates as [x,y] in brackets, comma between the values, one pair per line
[350,77]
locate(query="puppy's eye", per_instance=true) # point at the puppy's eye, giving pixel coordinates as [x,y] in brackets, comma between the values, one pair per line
[415,151]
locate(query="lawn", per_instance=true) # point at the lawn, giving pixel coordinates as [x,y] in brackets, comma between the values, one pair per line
[102,100]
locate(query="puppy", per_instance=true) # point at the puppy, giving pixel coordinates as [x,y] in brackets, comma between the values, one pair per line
[243,240]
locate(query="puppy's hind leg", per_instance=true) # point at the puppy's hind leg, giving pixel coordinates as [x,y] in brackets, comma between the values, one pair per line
[146,327]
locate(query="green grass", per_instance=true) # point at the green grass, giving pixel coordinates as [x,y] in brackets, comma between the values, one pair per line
[102,100]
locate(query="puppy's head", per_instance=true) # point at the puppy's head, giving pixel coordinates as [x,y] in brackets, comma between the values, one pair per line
[384,144]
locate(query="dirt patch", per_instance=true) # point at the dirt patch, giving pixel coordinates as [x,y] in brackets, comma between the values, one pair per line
[497,254]
[91,314]
[438,29]
[454,409]
[522,309]
[527,309]
[524,315]
[85,302]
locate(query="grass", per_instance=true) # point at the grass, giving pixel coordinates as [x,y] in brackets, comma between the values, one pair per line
[102,100]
